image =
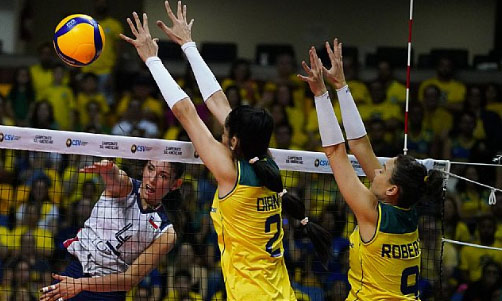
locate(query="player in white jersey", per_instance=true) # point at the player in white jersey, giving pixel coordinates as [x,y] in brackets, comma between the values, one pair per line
[125,236]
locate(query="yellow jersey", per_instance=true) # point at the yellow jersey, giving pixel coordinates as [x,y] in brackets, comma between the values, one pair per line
[388,266]
[473,259]
[384,111]
[43,78]
[248,222]
[63,104]
[451,91]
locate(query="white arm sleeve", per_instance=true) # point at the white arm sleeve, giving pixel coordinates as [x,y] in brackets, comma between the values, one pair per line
[330,131]
[171,91]
[205,78]
[352,122]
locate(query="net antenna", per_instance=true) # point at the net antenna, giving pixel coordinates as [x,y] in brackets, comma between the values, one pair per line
[408,70]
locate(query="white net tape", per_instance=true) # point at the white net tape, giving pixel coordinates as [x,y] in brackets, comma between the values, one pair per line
[157,149]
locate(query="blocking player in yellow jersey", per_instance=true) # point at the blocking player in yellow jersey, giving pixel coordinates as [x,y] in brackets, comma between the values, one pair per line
[384,248]
[248,205]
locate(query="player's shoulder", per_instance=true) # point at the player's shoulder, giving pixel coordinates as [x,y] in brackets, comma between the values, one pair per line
[397,220]
[247,175]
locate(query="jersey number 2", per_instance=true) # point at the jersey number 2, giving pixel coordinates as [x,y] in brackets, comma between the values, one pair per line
[405,288]
[274,219]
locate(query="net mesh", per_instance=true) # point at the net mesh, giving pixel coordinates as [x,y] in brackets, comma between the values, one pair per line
[45,200]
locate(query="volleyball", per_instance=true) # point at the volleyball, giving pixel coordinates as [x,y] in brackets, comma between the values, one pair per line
[78,40]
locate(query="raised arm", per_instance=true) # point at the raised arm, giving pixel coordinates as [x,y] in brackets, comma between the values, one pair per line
[181,33]
[117,183]
[359,143]
[215,155]
[358,197]
[142,266]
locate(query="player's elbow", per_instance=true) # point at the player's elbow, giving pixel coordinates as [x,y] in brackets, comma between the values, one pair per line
[167,241]
[184,110]
[334,150]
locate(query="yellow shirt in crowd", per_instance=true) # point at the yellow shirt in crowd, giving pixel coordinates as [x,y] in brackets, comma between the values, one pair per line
[451,92]
[63,104]
[150,104]
[473,259]
[84,99]
[42,78]
[106,61]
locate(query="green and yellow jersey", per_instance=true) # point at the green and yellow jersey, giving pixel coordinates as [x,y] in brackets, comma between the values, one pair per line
[388,266]
[248,222]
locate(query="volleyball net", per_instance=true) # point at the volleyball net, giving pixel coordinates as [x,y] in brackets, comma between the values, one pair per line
[45,200]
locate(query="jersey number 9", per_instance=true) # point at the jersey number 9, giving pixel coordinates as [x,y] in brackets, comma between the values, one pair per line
[409,289]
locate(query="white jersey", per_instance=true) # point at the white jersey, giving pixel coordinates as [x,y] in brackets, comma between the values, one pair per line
[116,233]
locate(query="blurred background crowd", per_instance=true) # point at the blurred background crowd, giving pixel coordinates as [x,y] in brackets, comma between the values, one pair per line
[44,200]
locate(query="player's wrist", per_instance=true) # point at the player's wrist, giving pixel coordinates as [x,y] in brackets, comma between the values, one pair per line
[339,84]
[151,59]
[321,91]
[184,41]
[187,44]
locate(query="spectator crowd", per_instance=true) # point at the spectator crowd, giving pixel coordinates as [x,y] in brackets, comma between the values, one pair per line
[44,200]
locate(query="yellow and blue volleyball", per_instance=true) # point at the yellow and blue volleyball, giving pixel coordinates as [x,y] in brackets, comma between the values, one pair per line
[78,40]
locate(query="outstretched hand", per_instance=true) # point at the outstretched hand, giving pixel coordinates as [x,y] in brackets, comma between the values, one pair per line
[102,166]
[181,32]
[67,288]
[335,74]
[314,74]
[145,45]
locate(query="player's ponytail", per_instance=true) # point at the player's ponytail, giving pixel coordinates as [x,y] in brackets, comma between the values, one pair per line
[434,183]
[415,182]
[173,199]
[253,127]
[267,171]
[321,239]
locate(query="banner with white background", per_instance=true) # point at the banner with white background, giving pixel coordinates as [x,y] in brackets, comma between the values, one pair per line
[99,145]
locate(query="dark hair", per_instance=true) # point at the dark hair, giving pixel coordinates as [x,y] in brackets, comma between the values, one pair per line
[455,131]
[34,120]
[461,186]
[234,87]
[238,62]
[30,92]
[469,92]
[385,61]
[434,87]
[44,45]
[88,75]
[456,217]
[497,89]
[284,125]
[290,91]
[253,127]
[42,179]
[487,217]
[490,262]
[377,121]
[178,168]
[283,111]
[414,182]
[183,273]
[173,199]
